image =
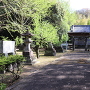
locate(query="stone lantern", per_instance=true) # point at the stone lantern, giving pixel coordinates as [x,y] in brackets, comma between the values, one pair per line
[27,51]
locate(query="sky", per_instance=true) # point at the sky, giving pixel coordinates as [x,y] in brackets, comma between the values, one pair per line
[79,4]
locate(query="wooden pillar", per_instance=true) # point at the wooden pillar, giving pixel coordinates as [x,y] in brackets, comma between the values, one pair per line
[73,43]
[85,43]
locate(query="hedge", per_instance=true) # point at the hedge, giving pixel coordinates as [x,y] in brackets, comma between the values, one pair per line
[9,60]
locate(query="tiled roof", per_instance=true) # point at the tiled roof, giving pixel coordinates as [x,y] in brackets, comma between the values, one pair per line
[80,28]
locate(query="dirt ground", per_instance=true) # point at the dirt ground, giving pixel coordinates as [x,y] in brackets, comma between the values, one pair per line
[77,56]
[65,71]
[40,62]
[29,69]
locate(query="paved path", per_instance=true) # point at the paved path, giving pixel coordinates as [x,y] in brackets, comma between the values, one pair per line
[69,72]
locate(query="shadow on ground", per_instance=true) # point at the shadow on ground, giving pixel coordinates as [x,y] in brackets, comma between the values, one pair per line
[57,77]
[69,72]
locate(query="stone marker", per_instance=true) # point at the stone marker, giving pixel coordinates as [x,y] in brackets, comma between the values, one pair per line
[50,51]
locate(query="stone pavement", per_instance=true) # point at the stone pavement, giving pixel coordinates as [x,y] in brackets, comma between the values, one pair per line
[69,72]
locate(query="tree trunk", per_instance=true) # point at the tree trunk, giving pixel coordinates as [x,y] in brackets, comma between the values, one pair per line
[37,50]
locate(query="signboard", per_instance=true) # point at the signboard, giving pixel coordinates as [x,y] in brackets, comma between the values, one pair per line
[7,47]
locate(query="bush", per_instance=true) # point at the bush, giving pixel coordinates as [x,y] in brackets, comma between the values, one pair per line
[11,64]
[4,61]
[3,86]
[18,40]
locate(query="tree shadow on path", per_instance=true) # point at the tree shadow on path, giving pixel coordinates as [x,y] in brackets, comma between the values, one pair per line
[57,77]
[69,72]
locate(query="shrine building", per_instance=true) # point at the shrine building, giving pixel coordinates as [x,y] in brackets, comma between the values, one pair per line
[80,35]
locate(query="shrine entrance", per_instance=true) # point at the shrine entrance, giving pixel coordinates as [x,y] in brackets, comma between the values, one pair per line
[80,36]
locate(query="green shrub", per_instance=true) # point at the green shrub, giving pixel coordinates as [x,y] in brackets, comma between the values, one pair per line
[18,40]
[3,86]
[9,60]
[3,60]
